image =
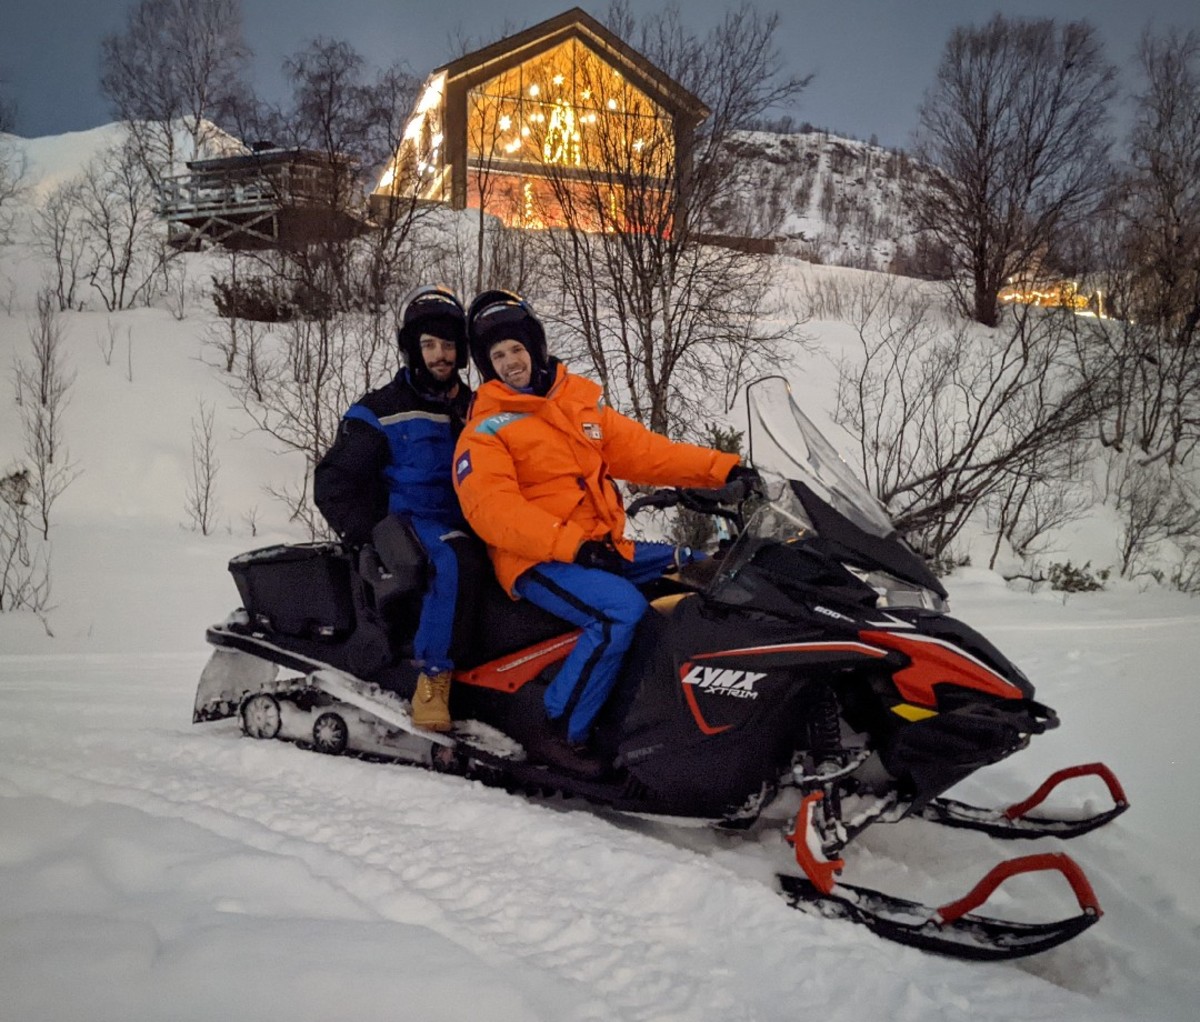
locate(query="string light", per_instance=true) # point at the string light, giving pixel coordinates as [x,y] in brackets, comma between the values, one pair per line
[543,125]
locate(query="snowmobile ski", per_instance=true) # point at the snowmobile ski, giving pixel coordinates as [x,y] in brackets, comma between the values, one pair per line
[952,929]
[1014,823]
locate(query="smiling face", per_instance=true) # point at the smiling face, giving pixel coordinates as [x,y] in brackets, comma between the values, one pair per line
[439,356]
[512,363]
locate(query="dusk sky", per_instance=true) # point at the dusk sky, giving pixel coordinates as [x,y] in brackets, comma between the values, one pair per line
[872,59]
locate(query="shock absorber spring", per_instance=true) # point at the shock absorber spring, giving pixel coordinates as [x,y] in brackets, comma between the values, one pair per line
[824,725]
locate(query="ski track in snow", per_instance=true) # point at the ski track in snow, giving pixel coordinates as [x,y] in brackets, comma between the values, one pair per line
[550,914]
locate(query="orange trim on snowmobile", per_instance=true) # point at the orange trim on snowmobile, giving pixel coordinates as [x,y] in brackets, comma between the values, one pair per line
[821,872]
[509,673]
[936,662]
[1019,809]
[983,890]
[694,706]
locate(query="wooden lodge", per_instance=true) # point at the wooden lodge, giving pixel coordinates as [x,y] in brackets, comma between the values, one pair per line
[562,117]
[269,198]
[560,121]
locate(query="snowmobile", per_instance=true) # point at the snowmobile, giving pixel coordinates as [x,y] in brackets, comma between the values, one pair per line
[812,657]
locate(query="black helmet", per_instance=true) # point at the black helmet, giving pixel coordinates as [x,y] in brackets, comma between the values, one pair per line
[499,316]
[431,310]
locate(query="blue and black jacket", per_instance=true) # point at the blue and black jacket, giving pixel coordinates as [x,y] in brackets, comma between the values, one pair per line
[392,455]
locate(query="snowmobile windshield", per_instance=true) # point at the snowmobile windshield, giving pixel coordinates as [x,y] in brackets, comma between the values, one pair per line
[819,525]
[785,443]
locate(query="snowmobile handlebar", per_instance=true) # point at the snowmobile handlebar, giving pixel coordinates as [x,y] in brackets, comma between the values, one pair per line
[724,501]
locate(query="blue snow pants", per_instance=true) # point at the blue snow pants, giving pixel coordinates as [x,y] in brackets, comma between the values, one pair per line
[435,629]
[608,608]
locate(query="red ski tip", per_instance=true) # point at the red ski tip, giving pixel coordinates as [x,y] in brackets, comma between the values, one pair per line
[1019,809]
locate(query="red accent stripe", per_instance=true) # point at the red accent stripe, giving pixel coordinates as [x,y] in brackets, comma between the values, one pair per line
[935,662]
[509,673]
[701,723]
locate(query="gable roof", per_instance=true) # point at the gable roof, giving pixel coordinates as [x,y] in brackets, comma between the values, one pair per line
[489,61]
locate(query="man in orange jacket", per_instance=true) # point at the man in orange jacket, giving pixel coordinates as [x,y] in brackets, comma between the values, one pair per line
[534,472]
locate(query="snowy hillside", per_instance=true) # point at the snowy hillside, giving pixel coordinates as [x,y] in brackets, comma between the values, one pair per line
[153,869]
[824,198]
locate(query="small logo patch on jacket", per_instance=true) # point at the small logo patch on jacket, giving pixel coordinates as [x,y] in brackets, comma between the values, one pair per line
[494,423]
[593,431]
[462,467]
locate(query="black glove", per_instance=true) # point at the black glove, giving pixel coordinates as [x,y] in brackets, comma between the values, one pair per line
[749,479]
[602,555]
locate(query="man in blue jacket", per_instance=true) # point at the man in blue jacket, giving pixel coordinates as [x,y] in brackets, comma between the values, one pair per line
[393,456]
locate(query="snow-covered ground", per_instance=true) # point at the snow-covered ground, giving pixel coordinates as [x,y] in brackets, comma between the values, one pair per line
[152,869]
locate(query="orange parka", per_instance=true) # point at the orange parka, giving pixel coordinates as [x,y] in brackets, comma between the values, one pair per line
[535,475]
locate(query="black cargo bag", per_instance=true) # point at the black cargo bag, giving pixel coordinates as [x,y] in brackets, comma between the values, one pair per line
[404,565]
[301,590]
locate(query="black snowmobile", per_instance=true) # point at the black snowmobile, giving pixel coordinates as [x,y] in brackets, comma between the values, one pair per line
[812,657]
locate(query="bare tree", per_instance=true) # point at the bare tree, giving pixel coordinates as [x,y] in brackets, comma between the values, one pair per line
[43,389]
[949,423]
[24,562]
[1149,354]
[28,490]
[307,373]
[1155,283]
[119,227]
[58,234]
[1035,498]
[1013,128]
[12,170]
[176,64]
[1156,504]
[355,121]
[660,313]
[201,502]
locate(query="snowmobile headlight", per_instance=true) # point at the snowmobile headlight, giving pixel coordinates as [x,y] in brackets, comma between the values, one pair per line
[895,592]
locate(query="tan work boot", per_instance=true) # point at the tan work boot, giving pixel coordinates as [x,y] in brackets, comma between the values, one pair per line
[431,702]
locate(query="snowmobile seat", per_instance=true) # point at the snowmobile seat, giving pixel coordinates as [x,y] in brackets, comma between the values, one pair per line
[506,625]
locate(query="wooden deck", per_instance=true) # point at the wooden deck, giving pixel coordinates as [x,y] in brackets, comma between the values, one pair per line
[270,199]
